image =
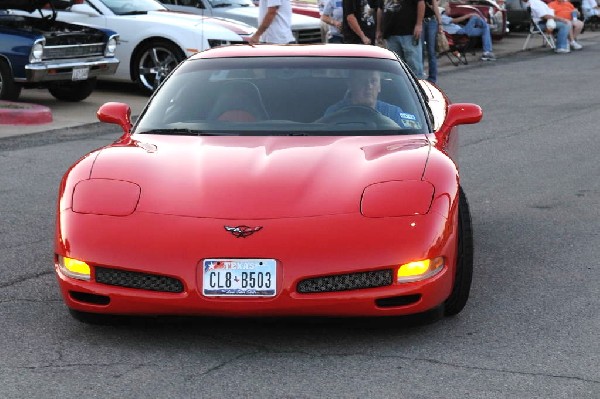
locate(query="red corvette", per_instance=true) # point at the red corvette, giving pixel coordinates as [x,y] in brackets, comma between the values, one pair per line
[269,181]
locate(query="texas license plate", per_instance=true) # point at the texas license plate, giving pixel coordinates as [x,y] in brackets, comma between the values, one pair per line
[239,277]
[80,73]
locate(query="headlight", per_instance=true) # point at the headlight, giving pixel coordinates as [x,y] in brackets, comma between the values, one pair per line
[419,270]
[397,198]
[37,51]
[74,268]
[105,197]
[216,43]
[111,46]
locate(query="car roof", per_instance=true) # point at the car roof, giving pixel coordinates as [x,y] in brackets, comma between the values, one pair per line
[297,50]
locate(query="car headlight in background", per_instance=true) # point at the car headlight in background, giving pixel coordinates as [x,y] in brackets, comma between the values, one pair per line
[216,43]
[74,268]
[419,270]
[111,46]
[37,51]
[397,198]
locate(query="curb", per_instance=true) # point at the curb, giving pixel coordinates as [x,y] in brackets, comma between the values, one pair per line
[12,113]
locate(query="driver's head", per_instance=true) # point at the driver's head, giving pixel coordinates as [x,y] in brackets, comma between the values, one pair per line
[364,87]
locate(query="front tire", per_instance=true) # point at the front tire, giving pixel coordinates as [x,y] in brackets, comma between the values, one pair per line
[73,91]
[9,90]
[153,62]
[464,263]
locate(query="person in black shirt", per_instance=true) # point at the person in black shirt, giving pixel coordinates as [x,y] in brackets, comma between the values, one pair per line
[361,21]
[402,27]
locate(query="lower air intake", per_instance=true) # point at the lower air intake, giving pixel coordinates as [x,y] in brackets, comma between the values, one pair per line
[143,281]
[345,282]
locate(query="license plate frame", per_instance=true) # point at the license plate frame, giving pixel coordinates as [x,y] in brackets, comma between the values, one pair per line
[80,73]
[222,277]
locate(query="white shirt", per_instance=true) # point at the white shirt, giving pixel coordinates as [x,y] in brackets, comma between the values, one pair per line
[539,9]
[280,30]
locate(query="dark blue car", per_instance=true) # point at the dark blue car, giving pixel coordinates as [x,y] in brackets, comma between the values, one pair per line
[42,52]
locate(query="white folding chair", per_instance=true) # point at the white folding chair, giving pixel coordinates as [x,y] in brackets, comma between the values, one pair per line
[535,29]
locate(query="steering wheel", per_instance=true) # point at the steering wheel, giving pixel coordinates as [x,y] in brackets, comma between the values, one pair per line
[359,116]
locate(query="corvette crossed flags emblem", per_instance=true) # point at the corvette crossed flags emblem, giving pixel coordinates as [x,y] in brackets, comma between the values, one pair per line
[242,231]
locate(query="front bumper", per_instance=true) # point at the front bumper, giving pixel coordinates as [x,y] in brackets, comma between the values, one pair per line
[303,248]
[63,70]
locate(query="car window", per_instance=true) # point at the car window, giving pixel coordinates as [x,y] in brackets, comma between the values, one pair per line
[124,7]
[286,96]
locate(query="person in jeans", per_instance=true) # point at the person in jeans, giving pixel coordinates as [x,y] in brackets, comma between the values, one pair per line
[566,10]
[431,26]
[475,27]
[541,14]
[402,28]
[333,15]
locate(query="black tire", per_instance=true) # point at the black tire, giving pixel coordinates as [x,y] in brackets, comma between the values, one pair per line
[464,264]
[9,90]
[153,62]
[73,91]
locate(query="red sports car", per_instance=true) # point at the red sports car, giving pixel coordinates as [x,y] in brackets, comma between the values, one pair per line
[269,181]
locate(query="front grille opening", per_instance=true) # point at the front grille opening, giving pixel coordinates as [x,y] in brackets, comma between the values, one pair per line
[89,298]
[345,282]
[395,301]
[143,281]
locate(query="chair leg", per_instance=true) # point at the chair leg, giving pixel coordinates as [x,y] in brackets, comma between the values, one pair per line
[526,42]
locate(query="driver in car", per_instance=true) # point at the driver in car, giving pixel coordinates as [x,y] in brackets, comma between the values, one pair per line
[363,90]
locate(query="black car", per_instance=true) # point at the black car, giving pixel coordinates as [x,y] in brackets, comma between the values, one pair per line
[42,52]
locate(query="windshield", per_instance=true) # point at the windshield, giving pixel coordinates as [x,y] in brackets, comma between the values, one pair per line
[129,7]
[286,96]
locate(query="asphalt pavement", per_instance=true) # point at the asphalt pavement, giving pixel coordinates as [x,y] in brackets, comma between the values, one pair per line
[70,115]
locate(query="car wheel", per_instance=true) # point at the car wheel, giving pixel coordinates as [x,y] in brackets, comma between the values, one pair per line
[153,62]
[73,91]
[9,90]
[464,264]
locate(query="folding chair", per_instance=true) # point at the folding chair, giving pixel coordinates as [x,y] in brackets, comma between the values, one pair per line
[535,29]
[460,45]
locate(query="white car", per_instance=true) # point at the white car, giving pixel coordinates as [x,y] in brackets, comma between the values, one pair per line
[153,40]
[305,29]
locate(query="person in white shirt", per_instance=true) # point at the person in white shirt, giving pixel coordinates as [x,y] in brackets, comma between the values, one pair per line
[542,15]
[274,23]
[590,8]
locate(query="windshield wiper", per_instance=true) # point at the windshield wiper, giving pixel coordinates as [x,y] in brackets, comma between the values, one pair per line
[180,132]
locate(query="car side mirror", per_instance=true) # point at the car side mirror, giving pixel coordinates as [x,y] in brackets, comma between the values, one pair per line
[84,9]
[462,114]
[457,114]
[118,114]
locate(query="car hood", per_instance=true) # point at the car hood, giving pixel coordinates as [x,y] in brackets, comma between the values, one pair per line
[187,20]
[25,5]
[259,177]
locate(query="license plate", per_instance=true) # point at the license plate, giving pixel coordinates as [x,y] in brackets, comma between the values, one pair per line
[239,277]
[80,73]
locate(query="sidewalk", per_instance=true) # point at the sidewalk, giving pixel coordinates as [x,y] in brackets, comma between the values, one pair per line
[73,115]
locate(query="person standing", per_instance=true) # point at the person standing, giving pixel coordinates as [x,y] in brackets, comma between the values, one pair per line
[431,26]
[274,23]
[402,29]
[333,16]
[360,21]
